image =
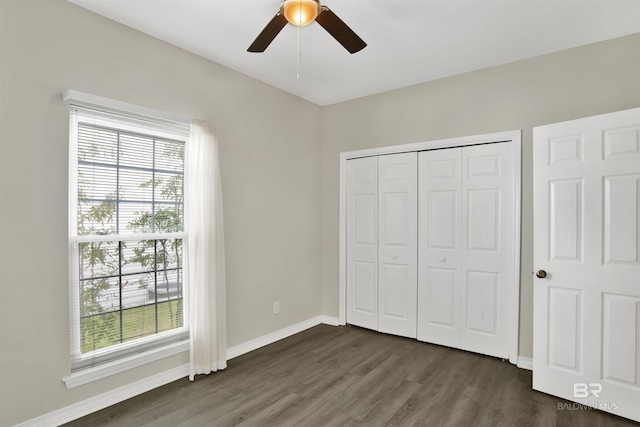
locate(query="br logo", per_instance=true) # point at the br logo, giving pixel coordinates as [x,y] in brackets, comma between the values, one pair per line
[585,389]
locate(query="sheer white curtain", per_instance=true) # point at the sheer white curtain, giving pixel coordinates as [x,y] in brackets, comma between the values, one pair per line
[204,258]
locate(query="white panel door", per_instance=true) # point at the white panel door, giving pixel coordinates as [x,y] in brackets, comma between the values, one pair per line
[466,210]
[487,215]
[587,257]
[362,242]
[440,223]
[397,255]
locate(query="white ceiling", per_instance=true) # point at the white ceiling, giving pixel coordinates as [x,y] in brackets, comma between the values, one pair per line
[409,42]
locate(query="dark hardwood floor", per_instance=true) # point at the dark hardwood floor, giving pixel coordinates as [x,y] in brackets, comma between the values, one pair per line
[344,376]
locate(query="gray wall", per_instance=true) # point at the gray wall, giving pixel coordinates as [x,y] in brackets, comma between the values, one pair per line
[270,175]
[280,182]
[580,82]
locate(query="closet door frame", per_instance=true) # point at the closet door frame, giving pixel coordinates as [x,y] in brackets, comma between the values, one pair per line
[513,137]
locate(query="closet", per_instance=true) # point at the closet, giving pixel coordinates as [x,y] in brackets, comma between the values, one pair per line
[429,245]
[382,236]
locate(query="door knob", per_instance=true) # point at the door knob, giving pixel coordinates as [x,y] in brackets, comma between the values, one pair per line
[541,274]
[394,256]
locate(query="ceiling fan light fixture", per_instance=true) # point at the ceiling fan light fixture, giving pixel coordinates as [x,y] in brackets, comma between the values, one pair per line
[300,12]
[304,12]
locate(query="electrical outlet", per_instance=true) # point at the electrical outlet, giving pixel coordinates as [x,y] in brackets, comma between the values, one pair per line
[276,307]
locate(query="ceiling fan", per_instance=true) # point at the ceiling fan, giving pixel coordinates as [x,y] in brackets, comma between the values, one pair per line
[304,12]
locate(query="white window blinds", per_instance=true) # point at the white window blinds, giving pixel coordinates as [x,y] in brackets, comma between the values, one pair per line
[126,234]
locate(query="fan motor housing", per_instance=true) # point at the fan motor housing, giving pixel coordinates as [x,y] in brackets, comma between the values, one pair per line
[300,12]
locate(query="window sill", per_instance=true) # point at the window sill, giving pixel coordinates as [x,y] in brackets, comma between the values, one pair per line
[105,370]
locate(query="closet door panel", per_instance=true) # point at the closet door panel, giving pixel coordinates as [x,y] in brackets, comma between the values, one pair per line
[439,244]
[442,298]
[487,209]
[395,294]
[397,251]
[362,242]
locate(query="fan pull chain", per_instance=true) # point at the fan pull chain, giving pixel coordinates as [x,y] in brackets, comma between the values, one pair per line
[299,58]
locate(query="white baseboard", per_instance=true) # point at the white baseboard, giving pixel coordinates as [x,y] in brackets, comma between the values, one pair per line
[109,398]
[525,363]
[96,403]
[330,320]
[255,344]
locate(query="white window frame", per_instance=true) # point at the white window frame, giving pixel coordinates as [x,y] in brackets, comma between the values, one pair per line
[102,363]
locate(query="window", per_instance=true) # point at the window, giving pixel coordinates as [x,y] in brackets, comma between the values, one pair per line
[127,231]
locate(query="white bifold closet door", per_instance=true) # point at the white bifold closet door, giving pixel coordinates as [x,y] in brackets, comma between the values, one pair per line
[398,244]
[362,242]
[382,243]
[465,222]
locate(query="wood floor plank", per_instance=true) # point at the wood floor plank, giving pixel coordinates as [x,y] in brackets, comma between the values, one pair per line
[348,376]
[389,403]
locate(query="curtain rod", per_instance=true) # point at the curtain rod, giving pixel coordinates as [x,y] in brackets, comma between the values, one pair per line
[87,99]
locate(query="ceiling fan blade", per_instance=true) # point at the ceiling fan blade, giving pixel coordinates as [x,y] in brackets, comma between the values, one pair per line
[269,33]
[340,31]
